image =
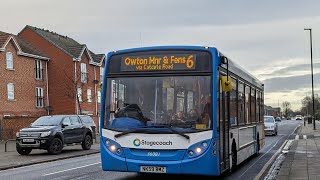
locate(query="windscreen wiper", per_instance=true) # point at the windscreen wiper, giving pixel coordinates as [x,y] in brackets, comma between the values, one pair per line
[130,131]
[173,130]
[155,126]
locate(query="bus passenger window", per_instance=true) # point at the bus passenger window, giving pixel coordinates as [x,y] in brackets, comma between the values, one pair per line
[247,105]
[233,103]
[241,101]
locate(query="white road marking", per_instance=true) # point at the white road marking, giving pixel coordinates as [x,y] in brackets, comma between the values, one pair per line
[71,169]
[269,162]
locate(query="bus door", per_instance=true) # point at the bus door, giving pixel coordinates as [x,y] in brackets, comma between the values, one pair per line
[224,115]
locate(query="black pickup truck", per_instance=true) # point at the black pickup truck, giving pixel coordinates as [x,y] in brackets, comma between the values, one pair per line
[52,133]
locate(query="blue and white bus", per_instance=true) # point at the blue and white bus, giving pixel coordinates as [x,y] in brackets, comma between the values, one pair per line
[178,110]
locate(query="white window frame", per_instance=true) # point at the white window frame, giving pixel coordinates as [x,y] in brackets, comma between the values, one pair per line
[99,96]
[101,73]
[79,94]
[83,72]
[89,97]
[38,69]
[39,97]
[9,60]
[10,90]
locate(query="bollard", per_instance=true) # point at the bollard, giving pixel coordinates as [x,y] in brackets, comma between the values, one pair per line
[5,144]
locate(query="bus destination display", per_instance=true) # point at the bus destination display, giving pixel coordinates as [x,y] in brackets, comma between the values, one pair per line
[158,62]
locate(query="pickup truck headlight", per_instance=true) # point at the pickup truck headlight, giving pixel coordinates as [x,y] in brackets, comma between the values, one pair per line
[45,134]
[17,134]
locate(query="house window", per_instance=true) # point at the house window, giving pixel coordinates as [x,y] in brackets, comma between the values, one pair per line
[83,73]
[101,73]
[99,96]
[10,87]
[9,58]
[89,95]
[79,94]
[39,97]
[38,69]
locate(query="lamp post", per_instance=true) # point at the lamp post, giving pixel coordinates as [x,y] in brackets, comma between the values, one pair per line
[313,109]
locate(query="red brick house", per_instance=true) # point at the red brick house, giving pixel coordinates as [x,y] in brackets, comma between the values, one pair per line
[23,84]
[74,72]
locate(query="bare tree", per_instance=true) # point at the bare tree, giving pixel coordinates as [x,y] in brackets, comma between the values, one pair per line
[286,108]
[71,90]
[307,105]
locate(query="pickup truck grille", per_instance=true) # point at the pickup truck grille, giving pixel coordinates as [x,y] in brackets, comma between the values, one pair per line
[30,134]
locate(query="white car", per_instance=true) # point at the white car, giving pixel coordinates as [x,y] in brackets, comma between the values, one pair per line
[270,125]
[298,117]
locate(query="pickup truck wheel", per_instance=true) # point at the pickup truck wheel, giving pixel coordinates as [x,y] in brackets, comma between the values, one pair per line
[23,151]
[55,146]
[86,143]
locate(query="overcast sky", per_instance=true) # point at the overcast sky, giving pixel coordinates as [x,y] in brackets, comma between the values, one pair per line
[265,37]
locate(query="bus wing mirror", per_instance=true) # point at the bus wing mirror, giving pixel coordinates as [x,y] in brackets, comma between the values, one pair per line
[226,83]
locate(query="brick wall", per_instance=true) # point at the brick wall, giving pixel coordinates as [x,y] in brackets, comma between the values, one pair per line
[60,69]
[9,126]
[86,106]
[23,78]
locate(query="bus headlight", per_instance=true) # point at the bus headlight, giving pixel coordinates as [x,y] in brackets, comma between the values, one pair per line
[114,147]
[197,149]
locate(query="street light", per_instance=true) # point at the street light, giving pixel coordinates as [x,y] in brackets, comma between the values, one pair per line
[313,111]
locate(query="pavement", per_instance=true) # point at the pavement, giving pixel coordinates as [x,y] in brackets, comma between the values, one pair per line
[9,157]
[302,160]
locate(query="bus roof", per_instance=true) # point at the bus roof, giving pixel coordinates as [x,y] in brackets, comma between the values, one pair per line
[161,48]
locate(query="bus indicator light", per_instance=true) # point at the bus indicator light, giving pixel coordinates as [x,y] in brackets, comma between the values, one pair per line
[204,144]
[107,142]
[190,153]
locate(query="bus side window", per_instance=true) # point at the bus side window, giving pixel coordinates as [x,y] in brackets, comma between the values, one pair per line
[241,101]
[233,103]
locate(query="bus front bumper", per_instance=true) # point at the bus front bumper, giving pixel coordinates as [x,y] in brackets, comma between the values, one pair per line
[205,164]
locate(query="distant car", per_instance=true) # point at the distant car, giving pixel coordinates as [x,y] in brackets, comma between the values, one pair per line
[278,119]
[298,117]
[270,125]
[52,133]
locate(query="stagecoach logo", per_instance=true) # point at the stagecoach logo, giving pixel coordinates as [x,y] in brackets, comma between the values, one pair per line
[137,142]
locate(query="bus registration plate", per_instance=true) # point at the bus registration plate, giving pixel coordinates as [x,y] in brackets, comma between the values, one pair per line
[153,169]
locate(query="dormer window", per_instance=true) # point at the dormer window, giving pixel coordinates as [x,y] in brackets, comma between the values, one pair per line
[9,58]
